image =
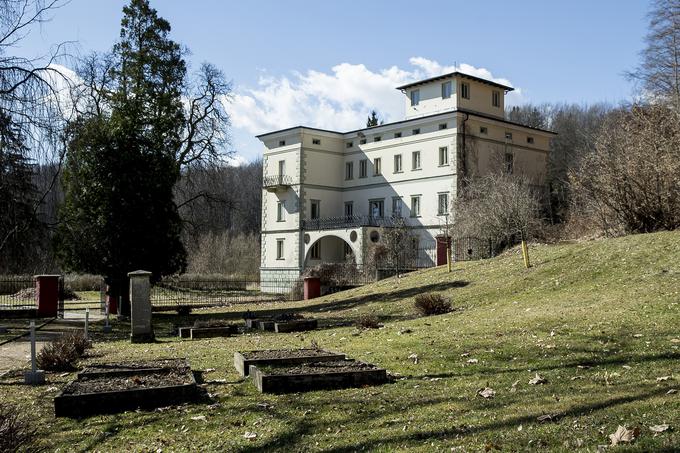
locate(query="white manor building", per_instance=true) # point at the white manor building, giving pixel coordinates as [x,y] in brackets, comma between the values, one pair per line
[328,194]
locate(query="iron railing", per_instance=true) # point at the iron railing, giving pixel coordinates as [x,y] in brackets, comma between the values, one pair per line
[17,293]
[173,293]
[277,180]
[352,221]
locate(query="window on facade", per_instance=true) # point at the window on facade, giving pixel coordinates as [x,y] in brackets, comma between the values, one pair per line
[349,170]
[415,97]
[442,126]
[316,209]
[397,163]
[415,160]
[442,203]
[376,208]
[509,163]
[349,144]
[282,143]
[465,90]
[363,168]
[280,211]
[415,131]
[530,139]
[282,167]
[446,90]
[444,155]
[349,208]
[377,164]
[315,252]
[496,98]
[396,206]
[377,138]
[483,130]
[316,141]
[508,135]
[362,141]
[279,249]
[397,135]
[415,206]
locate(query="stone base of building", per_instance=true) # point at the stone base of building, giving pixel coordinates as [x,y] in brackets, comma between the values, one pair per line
[278,280]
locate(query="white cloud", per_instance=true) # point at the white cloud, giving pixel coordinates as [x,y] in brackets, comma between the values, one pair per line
[338,100]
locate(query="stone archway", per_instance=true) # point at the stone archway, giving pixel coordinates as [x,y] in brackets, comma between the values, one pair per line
[328,249]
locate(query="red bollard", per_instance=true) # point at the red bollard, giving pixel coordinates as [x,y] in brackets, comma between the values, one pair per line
[312,287]
[47,295]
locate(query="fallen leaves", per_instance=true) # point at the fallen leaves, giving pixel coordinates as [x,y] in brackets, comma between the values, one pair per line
[537,380]
[624,435]
[664,378]
[659,428]
[199,418]
[472,361]
[486,392]
[250,435]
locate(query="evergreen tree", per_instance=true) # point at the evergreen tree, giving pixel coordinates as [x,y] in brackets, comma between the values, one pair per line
[373,120]
[18,223]
[125,157]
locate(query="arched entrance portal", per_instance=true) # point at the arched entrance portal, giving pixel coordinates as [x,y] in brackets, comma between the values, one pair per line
[329,249]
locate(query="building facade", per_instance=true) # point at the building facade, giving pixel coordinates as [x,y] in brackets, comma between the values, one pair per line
[328,195]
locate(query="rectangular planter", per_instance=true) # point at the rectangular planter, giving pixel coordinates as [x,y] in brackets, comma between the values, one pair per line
[268,381]
[297,325]
[114,369]
[185,332]
[251,323]
[242,364]
[109,402]
[211,332]
[267,325]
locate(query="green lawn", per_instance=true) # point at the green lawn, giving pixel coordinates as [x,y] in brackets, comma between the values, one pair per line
[599,320]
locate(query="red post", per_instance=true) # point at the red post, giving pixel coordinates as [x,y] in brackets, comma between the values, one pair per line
[312,287]
[47,295]
[112,301]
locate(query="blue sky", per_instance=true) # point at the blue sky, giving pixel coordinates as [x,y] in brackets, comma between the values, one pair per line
[327,63]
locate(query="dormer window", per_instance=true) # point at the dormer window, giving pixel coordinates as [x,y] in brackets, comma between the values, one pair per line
[465,90]
[415,131]
[446,90]
[282,143]
[415,97]
[397,135]
[316,141]
[377,138]
[530,139]
[496,98]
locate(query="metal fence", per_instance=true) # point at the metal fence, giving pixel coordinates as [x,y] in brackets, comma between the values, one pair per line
[17,293]
[171,294]
[470,248]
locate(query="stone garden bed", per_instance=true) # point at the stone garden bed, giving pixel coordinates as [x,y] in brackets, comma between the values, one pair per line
[285,322]
[316,376]
[208,329]
[112,388]
[243,360]
[296,325]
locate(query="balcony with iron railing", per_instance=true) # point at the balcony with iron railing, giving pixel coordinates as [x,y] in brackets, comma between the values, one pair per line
[277,183]
[344,222]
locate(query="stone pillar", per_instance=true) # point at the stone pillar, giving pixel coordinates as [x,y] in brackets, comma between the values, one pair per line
[312,287]
[47,295]
[140,307]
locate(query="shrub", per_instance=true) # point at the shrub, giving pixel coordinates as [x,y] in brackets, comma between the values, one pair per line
[83,282]
[367,321]
[432,304]
[62,353]
[16,434]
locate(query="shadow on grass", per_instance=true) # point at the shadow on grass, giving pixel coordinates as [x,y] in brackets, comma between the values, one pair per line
[328,306]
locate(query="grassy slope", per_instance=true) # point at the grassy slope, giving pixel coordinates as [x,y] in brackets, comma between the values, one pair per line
[599,320]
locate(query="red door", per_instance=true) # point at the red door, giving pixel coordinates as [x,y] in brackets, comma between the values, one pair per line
[443,245]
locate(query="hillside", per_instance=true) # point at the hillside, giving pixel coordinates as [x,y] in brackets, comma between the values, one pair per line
[599,321]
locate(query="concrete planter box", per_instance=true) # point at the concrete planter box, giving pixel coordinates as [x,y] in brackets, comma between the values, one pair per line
[266,325]
[271,380]
[242,364]
[212,332]
[252,323]
[297,325]
[114,370]
[109,402]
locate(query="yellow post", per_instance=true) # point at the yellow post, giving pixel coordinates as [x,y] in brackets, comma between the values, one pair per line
[525,254]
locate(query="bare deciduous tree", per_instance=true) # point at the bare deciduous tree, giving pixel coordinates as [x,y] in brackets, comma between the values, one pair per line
[659,71]
[630,180]
[497,206]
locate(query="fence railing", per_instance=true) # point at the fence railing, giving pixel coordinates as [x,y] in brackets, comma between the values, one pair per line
[17,293]
[353,221]
[179,292]
[277,180]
